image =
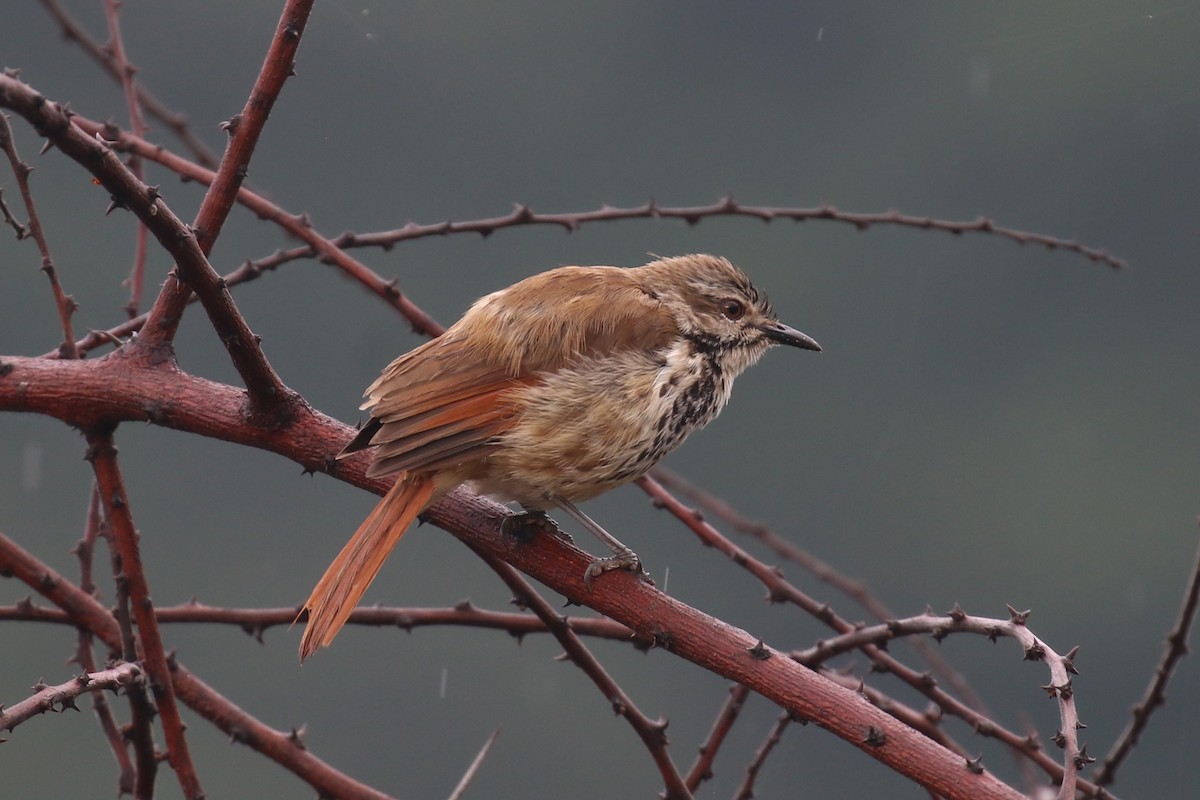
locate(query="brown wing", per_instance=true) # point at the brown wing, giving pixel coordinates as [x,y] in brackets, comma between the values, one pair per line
[445,402]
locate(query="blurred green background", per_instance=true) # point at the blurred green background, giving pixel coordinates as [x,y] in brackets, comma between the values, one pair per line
[988,424]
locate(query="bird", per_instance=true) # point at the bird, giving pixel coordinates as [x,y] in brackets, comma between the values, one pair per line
[565,385]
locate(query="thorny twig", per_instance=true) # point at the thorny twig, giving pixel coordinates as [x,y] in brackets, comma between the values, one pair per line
[61,697]
[62,301]
[126,71]
[473,769]
[1155,694]
[285,748]
[124,539]
[746,790]
[73,31]
[781,590]
[702,768]
[84,550]
[651,732]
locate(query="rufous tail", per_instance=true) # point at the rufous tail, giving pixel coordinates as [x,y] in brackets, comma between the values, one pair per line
[343,584]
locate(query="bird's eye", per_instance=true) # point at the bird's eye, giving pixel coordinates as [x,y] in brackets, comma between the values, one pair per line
[734,309]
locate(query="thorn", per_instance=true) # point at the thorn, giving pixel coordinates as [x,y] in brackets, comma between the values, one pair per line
[1035,651]
[760,652]
[975,765]
[1083,759]
[296,737]
[1069,660]
[956,613]
[1018,617]
[876,737]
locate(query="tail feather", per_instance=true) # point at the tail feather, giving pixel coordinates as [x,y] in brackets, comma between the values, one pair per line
[343,584]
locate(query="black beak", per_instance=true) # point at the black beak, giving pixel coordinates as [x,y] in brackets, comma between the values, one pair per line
[782,334]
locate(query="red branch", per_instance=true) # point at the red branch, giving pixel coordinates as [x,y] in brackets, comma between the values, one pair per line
[255,621]
[781,590]
[286,749]
[63,302]
[115,502]
[45,698]
[1155,694]
[651,732]
[728,207]
[244,130]
[85,392]
[702,769]
[125,72]
[267,392]
[73,31]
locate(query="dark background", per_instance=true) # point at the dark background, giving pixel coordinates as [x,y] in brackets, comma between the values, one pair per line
[988,424]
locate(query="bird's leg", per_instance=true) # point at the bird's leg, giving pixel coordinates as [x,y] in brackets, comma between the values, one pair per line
[622,557]
[532,520]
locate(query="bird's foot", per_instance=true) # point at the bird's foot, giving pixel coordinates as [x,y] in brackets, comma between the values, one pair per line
[525,526]
[626,560]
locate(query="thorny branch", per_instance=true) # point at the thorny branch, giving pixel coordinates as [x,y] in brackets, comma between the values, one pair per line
[224,714]
[732,707]
[125,72]
[119,389]
[73,31]
[781,590]
[62,301]
[746,790]
[652,732]
[124,541]
[62,697]
[54,121]
[84,551]
[286,749]
[1155,695]
[267,392]
[787,549]
[256,621]
[728,207]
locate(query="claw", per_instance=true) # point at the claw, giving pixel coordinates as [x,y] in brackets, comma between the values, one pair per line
[524,526]
[627,560]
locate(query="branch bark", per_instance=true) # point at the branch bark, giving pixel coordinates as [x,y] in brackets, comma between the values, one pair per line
[115,389]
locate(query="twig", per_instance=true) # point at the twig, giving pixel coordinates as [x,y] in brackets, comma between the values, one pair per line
[469,775]
[128,390]
[727,207]
[19,229]
[1061,666]
[45,698]
[62,301]
[126,71]
[141,710]
[746,790]
[298,225]
[781,590]
[710,504]
[270,399]
[651,732]
[84,551]
[286,749]
[256,621]
[73,31]
[1155,694]
[103,457]
[702,768]
[266,390]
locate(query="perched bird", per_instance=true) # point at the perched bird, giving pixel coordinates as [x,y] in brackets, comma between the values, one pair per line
[550,392]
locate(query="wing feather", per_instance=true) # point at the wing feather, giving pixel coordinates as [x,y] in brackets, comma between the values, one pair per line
[444,403]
